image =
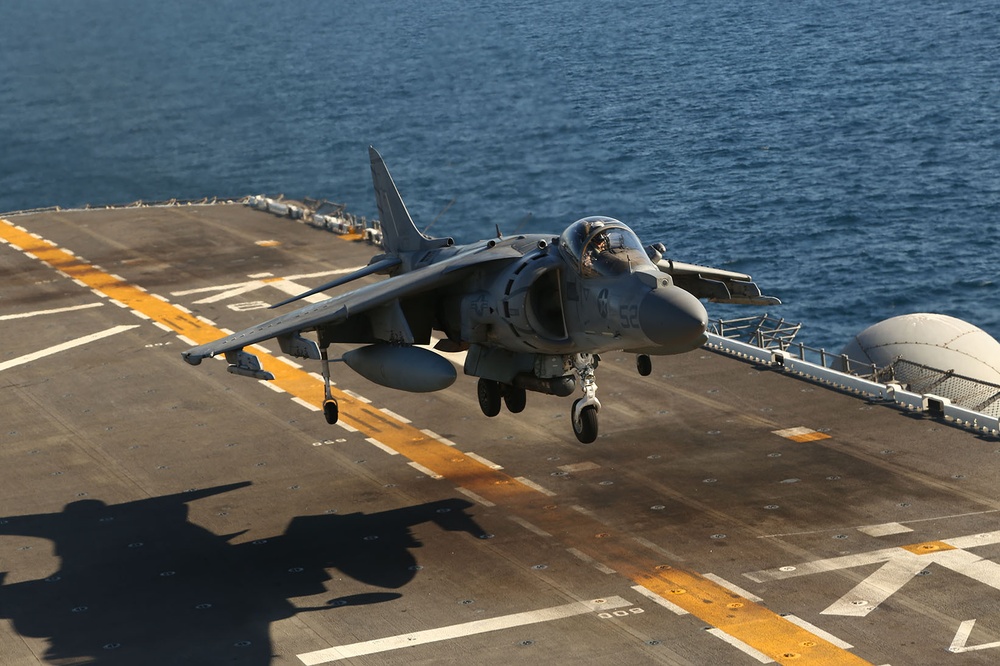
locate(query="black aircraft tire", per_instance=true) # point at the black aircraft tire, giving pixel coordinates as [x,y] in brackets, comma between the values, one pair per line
[516,399]
[489,396]
[331,411]
[644,365]
[585,428]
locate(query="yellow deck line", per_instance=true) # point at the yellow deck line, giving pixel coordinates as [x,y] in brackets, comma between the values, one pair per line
[741,618]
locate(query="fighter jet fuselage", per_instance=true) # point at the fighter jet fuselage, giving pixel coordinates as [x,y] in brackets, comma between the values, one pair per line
[532,312]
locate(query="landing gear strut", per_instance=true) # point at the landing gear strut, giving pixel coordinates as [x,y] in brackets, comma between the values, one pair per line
[585,409]
[331,410]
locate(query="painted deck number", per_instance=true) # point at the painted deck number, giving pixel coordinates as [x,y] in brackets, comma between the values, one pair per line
[620,613]
[249,305]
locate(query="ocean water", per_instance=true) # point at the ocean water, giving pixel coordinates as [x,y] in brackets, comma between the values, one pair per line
[845,154]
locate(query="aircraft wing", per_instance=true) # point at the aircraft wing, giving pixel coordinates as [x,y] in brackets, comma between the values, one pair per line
[715,284]
[341,307]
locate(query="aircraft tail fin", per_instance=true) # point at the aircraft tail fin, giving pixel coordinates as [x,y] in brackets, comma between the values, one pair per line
[399,233]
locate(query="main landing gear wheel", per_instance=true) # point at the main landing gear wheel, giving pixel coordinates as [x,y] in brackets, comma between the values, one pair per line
[331,410]
[515,398]
[489,396]
[643,364]
[585,425]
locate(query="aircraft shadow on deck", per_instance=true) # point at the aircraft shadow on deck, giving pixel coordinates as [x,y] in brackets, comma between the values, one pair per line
[139,583]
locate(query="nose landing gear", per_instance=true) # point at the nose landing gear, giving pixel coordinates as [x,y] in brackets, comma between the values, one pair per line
[585,409]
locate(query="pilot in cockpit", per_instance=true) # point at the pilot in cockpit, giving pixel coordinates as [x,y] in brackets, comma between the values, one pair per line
[602,246]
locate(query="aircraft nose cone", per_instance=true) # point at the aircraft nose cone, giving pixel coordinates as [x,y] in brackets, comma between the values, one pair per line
[673,318]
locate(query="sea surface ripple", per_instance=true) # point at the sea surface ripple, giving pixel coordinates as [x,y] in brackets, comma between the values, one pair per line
[846,154]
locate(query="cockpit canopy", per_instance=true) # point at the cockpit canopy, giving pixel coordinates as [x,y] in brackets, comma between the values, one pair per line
[602,246]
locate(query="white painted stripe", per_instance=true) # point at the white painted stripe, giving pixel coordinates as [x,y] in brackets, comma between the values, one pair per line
[579,554]
[962,636]
[793,432]
[653,596]
[179,307]
[99,294]
[357,396]
[273,387]
[159,298]
[585,511]
[984,539]
[227,331]
[882,584]
[163,327]
[434,435]
[741,646]
[290,288]
[375,442]
[460,630]
[885,529]
[289,362]
[346,427]
[732,587]
[186,340]
[473,496]
[813,629]
[204,320]
[335,271]
[81,283]
[318,377]
[49,351]
[579,467]
[389,412]
[424,470]
[36,313]
[308,405]
[117,277]
[119,304]
[488,463]
[531,484]
[531,527]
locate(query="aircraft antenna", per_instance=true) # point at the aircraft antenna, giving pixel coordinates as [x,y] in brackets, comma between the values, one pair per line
[443,211]
[523,221]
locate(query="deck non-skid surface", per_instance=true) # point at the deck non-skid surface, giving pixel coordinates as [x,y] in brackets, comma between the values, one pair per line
[153,512]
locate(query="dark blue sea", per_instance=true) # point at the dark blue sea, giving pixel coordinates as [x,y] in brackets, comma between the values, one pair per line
[847,154]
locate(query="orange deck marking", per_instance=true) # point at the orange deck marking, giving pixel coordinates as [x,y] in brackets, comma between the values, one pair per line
[801,434]
[927,547]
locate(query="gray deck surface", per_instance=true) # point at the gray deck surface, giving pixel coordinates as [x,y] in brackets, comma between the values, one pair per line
[157,513]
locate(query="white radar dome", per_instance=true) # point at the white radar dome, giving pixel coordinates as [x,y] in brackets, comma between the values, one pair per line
[934,340]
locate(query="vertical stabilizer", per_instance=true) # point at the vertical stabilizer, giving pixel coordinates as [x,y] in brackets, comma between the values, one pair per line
[399,233]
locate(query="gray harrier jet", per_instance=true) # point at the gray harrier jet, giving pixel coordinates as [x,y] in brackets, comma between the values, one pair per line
[533,312]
